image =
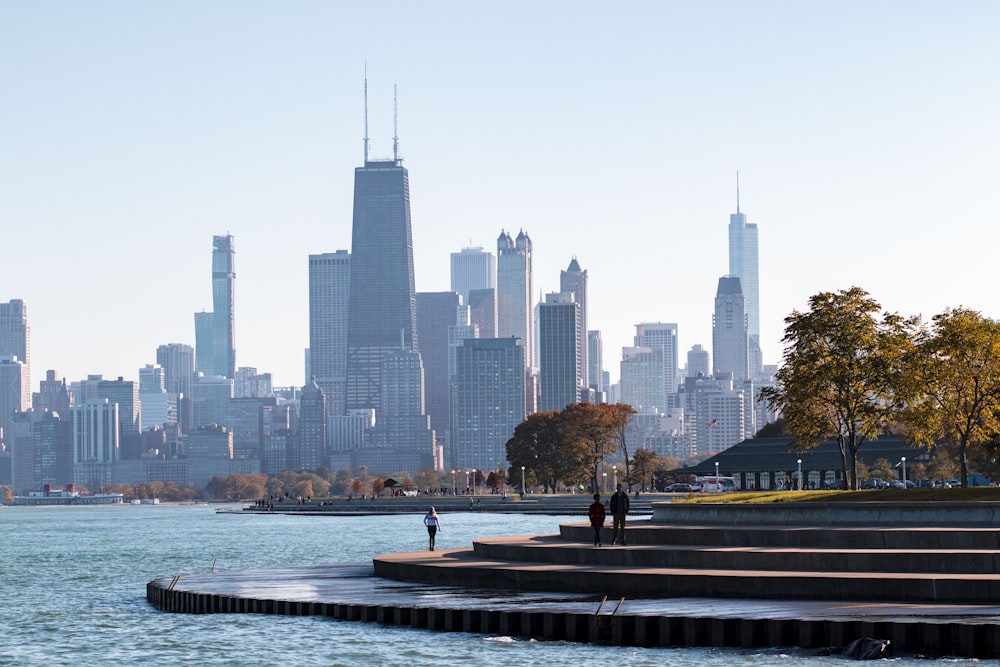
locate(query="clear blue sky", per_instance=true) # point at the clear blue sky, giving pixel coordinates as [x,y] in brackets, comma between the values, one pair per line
[865,134]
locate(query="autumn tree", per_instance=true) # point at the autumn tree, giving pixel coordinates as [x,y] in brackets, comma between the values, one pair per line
[644,466]
[536,446]
[954,375]
[841,376]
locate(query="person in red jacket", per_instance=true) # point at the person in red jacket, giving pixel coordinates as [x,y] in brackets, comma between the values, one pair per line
[597,515]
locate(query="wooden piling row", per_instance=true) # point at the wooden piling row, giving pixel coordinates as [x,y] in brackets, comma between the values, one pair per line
[928,638]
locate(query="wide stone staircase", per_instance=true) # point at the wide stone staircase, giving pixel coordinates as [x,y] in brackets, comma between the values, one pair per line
[875,552]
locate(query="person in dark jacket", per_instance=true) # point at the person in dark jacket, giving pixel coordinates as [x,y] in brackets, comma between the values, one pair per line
[596,513]
[619,508]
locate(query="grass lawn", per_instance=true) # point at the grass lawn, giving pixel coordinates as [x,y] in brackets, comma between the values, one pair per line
[970,494]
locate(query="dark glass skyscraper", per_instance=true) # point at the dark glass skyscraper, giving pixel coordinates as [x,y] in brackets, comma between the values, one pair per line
[382,305]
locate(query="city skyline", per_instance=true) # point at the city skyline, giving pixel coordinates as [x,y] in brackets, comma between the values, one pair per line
[864,137]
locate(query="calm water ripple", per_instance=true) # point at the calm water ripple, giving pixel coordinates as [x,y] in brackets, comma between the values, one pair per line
[73,585]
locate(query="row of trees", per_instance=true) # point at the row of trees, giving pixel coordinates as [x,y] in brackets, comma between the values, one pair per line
[852,372]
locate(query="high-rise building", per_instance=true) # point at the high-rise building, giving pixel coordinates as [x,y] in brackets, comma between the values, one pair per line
[223,279]
[483,311]
[472,269]
[515,290]
[329,298]
[15,393]
[214,333]
[436,312]
[661,336]
[743,264]
[15,334]
[574,279]
[641,383]
[53,396]
[595,360]
[489,400]
[126,394]
[560,351]
[382,304]
[177,361]
[698,362]
[729,332]
[309,452]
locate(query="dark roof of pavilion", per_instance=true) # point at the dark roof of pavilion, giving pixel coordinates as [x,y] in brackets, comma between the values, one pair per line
[780,454]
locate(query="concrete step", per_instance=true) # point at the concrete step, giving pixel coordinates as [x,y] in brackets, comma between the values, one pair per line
[465,568]
[553,549]
[651,532]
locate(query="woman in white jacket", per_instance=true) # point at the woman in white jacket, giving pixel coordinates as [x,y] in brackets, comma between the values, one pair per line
[433,524]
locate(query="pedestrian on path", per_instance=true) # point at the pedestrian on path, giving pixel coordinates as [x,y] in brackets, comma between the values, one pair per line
[433,524]
[619,508]
[596,512]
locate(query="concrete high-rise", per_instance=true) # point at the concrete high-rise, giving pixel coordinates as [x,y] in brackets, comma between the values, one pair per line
[382,302]
[560,351]
[729,332]
[472,269]
[515,290]
[489,400]
[698,362]
[661,336]
[743,264]
[15,334]
[436,312]
[15,393]
[329,299]
[574,279]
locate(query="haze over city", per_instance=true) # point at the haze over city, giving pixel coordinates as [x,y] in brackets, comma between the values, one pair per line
[864,133]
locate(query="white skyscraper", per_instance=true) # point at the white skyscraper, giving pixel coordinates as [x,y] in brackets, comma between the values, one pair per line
[472,269]
[743,264]
[515,288]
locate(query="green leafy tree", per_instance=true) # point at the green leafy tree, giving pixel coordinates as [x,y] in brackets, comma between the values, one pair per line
[954,375]
[841,374]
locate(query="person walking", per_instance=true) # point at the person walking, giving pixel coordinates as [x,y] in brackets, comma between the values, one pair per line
[433,524]
[619,508]
[596,512]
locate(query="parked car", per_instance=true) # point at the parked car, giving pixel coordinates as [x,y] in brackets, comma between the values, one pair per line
[679,487]
[875,483]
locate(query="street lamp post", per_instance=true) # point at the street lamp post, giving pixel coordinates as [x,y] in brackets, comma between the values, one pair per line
[614,480]
[717,472]
[903,461]
[800,474]
[474,481]
[454,489]
[522,482]
[604,485]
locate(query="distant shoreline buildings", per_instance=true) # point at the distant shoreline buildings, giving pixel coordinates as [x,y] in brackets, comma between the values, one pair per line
[395,380]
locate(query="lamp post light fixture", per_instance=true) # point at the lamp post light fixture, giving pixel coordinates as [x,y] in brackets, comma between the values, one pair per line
[454,489]
[800,474]
[903,461]
[614,481]
[523,490]
[716,472]
[604,485]
[473,481]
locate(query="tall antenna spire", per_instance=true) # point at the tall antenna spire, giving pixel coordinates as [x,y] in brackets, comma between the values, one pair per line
[395,133]
[737,192]
[366,111]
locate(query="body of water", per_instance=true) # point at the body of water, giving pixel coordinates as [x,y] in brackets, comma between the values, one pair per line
[73,584]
